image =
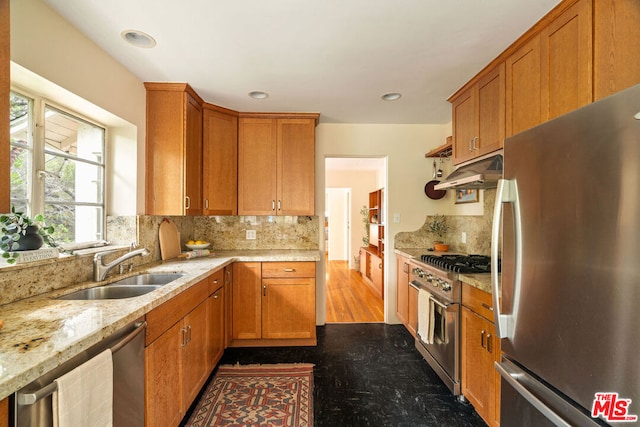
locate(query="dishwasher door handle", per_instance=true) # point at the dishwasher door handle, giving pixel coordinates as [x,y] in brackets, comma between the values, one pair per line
[31,398]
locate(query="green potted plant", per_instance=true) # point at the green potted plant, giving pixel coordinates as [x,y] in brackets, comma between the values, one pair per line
[438,226]
[19,232]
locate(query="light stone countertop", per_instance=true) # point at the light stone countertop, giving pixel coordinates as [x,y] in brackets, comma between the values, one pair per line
[41,332]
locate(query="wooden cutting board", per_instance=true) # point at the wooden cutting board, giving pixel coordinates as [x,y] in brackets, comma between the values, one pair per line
[169,237]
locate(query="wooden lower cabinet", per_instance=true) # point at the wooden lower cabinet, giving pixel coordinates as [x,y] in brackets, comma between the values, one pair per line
[480,349]
[4,412]
[178,354]
[373,269]
[274,304]
[216,319]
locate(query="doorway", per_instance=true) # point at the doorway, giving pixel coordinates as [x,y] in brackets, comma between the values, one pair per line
[348,182]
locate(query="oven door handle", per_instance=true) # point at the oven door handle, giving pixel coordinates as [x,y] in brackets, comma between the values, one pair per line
[415,285]
[438,303]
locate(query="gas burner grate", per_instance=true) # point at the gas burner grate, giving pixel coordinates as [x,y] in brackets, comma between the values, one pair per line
[460,263]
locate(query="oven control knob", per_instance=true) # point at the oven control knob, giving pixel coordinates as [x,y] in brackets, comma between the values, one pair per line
[446,286]
[429,277]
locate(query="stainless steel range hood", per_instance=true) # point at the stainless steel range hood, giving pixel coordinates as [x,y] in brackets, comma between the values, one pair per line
[481,173]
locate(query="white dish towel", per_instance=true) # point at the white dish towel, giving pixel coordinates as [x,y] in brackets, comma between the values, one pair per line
[85,395]
[425,316]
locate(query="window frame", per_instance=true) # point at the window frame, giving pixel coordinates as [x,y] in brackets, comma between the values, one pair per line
[38,152]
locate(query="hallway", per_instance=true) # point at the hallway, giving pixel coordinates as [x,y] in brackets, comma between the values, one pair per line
[349,298]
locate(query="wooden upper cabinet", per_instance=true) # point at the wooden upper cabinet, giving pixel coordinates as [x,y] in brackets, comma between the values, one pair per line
[296,166]
[220,161]
[479,116]
[257,154]
[464,125]
[523,91]
[174,150]
[616,34]
[566,61]
[276,165]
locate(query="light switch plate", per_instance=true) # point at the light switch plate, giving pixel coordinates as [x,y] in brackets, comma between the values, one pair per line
[251,234]
[463,238]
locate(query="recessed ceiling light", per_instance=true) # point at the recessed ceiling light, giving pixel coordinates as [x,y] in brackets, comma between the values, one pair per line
[258,94]
[391,96]
[138,38]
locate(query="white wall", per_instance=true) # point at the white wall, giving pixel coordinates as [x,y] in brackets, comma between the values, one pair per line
[408,171]
[45,44]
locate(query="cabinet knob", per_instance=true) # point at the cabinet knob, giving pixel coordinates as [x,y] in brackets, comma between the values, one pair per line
[264,290]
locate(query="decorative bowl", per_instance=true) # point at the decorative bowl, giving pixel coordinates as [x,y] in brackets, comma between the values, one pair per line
[202,246]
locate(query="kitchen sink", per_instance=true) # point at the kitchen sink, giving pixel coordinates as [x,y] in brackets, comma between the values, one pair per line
[129,287]
[148,279]
[110,292]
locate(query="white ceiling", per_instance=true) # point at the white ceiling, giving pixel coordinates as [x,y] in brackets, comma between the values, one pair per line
[336,57]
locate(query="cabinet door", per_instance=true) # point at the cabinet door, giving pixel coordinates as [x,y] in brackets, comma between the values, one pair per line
[464,125]
[163,379]
[616,34]
[566,52]
[296,166]
[257,173]
[377,275]
[491,111]
[523,94]
[478,341]
[247,319]
[228,305]
[402,290]
[216,331]
[220,163]
[193,157]
[194,359]
[288,308]
[165,152]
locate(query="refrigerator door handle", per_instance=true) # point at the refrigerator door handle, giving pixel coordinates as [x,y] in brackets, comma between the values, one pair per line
[511,377]
[507,192]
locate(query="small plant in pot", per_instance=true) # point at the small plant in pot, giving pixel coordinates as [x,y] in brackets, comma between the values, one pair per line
[438,226]
[21,233]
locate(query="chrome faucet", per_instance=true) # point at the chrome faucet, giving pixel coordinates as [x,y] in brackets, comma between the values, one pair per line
[100,269]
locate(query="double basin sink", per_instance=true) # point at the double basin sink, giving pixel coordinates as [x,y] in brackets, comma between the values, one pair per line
[125,288]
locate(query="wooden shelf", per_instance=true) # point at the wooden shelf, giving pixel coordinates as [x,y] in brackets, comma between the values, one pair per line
[442,151]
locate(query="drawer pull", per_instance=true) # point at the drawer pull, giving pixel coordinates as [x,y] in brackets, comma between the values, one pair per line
[487,306]
[482,334]
[264,290]
[289,270]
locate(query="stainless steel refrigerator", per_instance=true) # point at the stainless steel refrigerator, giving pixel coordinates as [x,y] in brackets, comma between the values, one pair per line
[567,303]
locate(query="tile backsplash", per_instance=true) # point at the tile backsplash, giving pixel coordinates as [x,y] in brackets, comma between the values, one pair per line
[477,229]
[224,232]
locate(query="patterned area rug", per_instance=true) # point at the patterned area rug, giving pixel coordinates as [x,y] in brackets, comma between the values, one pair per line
[257,395]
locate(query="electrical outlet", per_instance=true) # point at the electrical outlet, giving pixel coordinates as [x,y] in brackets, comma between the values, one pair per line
[396,218]
[463,238]
[251,234]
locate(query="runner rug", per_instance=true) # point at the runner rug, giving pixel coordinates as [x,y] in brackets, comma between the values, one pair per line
[257,395]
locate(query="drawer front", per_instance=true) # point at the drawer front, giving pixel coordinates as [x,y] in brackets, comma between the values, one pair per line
[478,301]
[216,281]
[167,314]
[289,269]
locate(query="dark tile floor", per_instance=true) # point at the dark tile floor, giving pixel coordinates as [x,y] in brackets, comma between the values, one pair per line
[368,375]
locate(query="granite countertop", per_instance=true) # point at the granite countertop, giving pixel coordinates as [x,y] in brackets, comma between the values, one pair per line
[480,281]
[41,332]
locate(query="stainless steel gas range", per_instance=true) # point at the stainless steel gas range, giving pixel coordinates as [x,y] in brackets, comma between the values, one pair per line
[436,277]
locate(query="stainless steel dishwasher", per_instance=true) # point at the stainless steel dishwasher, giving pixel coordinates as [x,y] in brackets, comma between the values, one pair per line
[33,403]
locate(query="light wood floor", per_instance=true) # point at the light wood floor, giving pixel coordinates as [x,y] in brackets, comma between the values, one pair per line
[349,298]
